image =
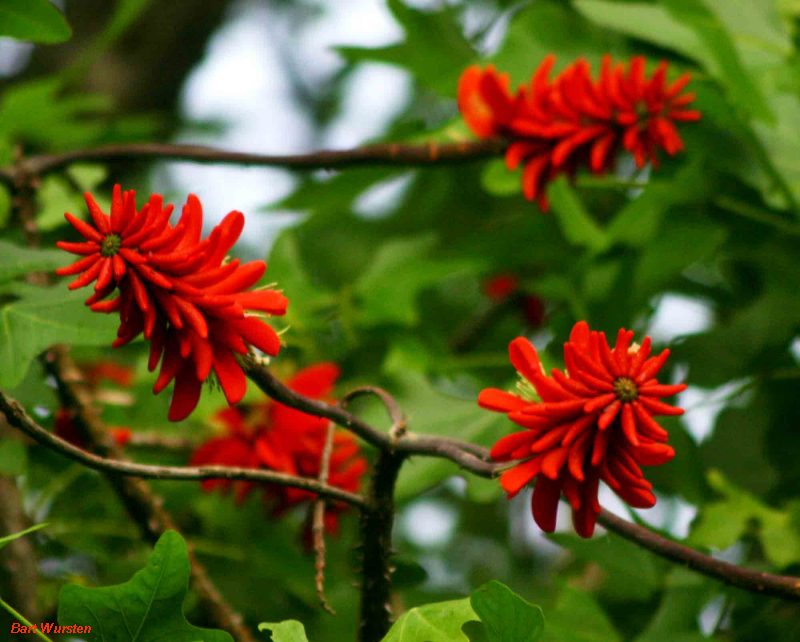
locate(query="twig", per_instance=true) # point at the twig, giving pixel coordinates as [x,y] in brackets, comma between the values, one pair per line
[160,442]
[399,426]
[19,418]
[318,520]
[376,549]
[393,154]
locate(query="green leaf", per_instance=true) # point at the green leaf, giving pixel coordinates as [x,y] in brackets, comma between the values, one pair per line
[16,261]
[13,457]
[34,20]
[578,618]
[44,317]
[286,631]
[429,36]
[147,608]
[722,523]
[506,616]
[724,60]
[647,22]
[402,267]
[10,538]
[578,226]
[437,622]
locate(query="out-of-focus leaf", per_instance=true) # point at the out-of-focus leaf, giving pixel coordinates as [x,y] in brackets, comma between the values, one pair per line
[506,616]
[631,572]
[43,318]
[437,622]
[649,22]
[16,261]
[497,179]
[38,111]
[578,226]
[34,20]
[722,523]
[13,457]
[578,618]
[147,608]
[686,595]
[403,268]
[429,36]
[725,60]
[286,631]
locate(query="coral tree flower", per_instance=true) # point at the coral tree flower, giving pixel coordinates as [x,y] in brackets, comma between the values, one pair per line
[273,436]
[594,422]
[178,289]
[555,127]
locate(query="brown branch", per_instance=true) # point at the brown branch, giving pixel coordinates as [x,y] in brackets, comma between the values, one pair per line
[19,418]
[782,586]
[160,442]
[318,520]
[387,154]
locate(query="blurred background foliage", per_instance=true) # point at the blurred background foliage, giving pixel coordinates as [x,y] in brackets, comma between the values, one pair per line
[386,271]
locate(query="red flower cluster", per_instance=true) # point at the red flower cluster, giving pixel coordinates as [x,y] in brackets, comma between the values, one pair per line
[273,436]
[557,126]
[178,289]
[594,422]
[502,286]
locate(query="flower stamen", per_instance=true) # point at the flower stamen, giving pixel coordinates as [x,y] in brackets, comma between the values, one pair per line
[625,389]
[110,245]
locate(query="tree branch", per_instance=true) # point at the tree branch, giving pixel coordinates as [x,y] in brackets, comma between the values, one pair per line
[782,586]
[19,418]
[387,154]
[318,520]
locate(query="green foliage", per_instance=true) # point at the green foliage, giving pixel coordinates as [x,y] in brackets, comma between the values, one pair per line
[288,631]
[42,317]
[16,261]
[147,608]
[34,20]
[722,523]
[506,616]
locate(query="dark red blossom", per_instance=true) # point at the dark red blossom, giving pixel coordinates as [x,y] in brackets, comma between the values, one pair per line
[594,422]
[273,436]
[555,127]
[95,374]
[178,289]
[501,287]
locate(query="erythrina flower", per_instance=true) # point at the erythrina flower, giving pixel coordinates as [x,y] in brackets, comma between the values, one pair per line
[593,422]
[273,436]
[190,302]
[555,127]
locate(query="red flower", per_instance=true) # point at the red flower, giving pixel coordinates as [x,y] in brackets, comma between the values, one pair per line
[276,437]
[556,127]
[594,422]
[178,289]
